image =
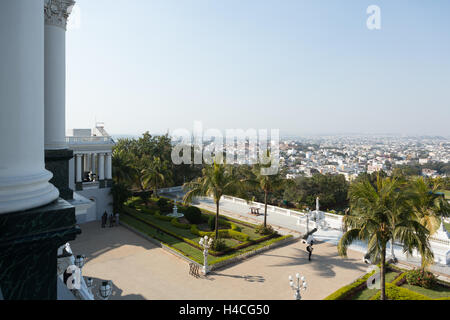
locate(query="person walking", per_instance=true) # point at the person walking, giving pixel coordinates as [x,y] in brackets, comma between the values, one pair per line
[117,219]
[111,220]
[104,219]
[310,249]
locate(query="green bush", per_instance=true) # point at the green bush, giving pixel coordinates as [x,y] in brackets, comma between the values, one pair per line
[242,237]
[398,293]
[344,292]
[400,280]
[164,205]
[421,278]
[177,224]
[212,222]
[163,218]
[219,245]
[264,230]
[193,215]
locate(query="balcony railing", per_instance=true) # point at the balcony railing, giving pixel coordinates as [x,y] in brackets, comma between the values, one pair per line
[89,140]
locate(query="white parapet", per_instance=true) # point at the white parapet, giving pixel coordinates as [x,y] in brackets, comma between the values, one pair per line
[24,182]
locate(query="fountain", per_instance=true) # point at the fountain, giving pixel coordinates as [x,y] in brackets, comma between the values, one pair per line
[175,213]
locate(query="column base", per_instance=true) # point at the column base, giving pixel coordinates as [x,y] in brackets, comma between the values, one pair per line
[57,162]
[109,183]
[29,241]
[102,184]
[79,186]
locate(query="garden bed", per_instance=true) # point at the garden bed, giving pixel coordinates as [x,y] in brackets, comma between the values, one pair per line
[396,289]
[179,236]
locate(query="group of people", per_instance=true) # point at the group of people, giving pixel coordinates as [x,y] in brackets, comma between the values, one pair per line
[113,220]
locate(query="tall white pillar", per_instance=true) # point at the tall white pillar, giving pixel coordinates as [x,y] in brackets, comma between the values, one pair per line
[101,166]
[85,162]
[56,13]
[93,166]
[78,168]
[23,178]
[108,173]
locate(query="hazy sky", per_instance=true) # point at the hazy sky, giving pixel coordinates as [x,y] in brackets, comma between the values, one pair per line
[304,67]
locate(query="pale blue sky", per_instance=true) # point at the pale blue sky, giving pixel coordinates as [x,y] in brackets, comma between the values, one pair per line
[304,67]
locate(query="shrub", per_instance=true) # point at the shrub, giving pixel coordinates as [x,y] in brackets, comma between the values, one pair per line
[350,289]
[264,230]
[398,293]
[164,205]
[212,222]
[193,215]
[421,278]
[177,224]
[400,280]
[219,245]
[161,217]
[242,237]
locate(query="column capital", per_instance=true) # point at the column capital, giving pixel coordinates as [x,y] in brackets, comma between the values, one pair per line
[57,12]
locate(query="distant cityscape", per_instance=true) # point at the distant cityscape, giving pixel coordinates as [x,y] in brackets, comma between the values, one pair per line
[353,154]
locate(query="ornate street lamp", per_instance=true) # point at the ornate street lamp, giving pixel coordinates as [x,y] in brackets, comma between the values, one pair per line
[301,284]
[105,290]
[89,282]
[80,261]
[206,243]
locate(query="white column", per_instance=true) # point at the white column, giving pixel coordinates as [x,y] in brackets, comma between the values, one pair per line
[93,169]
[86,162]
[108,166]
[23,178]
[56,13]
[78,168]
[101,166]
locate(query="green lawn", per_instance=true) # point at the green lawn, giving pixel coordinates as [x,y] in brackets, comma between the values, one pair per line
[366,294]
[437,292]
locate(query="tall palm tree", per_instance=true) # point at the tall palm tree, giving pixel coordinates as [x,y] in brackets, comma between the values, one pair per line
[258,179]
[156,174]
[428,206]
[379,214]
[121,165]
[216,180]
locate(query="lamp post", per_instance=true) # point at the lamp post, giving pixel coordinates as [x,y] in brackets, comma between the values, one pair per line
[105,290]
[80,261]
[206,243]
[301,284]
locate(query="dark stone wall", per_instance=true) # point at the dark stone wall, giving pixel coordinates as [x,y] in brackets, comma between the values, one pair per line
[29,241]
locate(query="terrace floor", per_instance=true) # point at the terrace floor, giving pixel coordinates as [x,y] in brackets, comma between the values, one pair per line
[141,270]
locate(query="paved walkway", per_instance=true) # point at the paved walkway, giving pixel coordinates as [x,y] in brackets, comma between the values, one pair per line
[140,270]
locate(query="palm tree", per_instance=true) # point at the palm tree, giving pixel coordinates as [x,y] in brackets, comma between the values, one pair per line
[429,207]
[216,180]
[380,213]
[121,165]
[156,174]
[428,204]
[120,193]
[258,179]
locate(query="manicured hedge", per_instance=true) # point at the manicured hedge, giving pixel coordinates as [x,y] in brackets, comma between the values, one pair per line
[177,224]
[163,218]
[348,290]
[400,280]
[398,293]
